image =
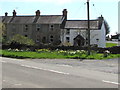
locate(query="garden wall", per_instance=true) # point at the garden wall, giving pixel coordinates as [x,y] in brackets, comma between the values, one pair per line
[113,50]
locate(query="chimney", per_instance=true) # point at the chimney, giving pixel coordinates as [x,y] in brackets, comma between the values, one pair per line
[100,21]
[101,17]
[6,14]
[14,13]
[65,13]
[38,13]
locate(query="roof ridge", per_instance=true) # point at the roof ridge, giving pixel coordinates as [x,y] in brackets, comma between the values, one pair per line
[84,20]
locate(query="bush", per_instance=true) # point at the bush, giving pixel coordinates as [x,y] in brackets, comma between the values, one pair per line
[22,40]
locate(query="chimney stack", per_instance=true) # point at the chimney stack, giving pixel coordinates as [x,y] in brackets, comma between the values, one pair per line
[14,13]
[6,14]
[38,13]
[65,13]
[101,19]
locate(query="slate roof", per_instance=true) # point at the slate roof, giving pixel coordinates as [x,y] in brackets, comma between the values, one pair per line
[82,24]
[43,19]
[50,19]
[6,19]
[23,19]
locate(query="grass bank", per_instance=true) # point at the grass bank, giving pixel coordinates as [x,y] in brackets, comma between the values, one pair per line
[111,44]
[46,54]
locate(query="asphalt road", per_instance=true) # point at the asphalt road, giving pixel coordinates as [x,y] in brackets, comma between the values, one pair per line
[58,73]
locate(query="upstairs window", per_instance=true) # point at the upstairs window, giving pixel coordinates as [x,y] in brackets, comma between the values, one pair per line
[68,31]
[13,28]
[38,27]
[26,28]
[51,27]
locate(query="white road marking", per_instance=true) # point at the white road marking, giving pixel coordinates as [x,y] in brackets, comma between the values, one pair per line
[111,82]
[16,60]
[45,69]
[26,66]
[65,65]
[3,61]
[58,72]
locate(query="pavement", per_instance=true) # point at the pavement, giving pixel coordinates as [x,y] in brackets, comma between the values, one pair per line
[59,73]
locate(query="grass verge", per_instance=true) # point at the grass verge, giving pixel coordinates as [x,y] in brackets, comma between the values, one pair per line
[111,44]
[54,55]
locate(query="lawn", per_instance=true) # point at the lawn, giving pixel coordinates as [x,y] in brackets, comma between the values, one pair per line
[111,44]
[59,54]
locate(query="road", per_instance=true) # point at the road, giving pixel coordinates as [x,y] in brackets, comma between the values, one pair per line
[59,73]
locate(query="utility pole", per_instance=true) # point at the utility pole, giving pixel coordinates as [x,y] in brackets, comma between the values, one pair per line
[88,27]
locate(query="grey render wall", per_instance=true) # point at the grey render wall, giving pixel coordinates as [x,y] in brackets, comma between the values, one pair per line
[45,31]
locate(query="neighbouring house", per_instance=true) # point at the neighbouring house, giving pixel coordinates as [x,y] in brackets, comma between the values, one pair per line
[115,37]
[55,29]
[75,33]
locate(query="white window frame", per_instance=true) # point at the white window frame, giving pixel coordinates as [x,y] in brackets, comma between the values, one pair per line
[38,26]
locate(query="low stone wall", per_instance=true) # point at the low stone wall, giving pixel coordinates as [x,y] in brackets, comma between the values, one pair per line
[113,50]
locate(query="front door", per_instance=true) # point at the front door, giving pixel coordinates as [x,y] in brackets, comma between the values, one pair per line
[79,41]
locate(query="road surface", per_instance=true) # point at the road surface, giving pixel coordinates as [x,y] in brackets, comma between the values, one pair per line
[59,73]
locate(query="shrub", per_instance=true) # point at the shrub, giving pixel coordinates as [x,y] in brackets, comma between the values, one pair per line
[19,39]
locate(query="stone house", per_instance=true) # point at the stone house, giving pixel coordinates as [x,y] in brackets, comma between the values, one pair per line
[54,29]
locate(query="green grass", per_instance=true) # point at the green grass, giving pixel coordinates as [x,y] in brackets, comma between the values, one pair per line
[111,44]
[54,55]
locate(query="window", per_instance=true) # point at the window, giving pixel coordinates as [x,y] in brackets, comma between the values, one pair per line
[26,28]
[97,39]
[68,39]
[44,39]
[68,31]
[51,38]
[51,27]
[37,38]
[86,41]
[26,35]
[38,27]
[13,28]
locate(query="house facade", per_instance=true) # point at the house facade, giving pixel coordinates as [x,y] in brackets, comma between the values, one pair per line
[55,29]
[75,33]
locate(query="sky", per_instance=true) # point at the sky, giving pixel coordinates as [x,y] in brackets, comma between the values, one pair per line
[77,9]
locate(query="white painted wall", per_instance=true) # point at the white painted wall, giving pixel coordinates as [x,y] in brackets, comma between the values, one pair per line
[96,36]
[103,36]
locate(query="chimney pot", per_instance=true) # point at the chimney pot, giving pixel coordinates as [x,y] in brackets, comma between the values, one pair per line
[65,13]
[38,13]
[6,14]
[14,13]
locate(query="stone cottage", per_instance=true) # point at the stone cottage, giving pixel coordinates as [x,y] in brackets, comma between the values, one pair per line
[54,29]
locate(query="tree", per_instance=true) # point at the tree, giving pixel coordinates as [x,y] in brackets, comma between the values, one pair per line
[19,39]
[107,28]
[2,32]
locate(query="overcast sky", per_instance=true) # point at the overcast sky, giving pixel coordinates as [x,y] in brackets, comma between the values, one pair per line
[76,9]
